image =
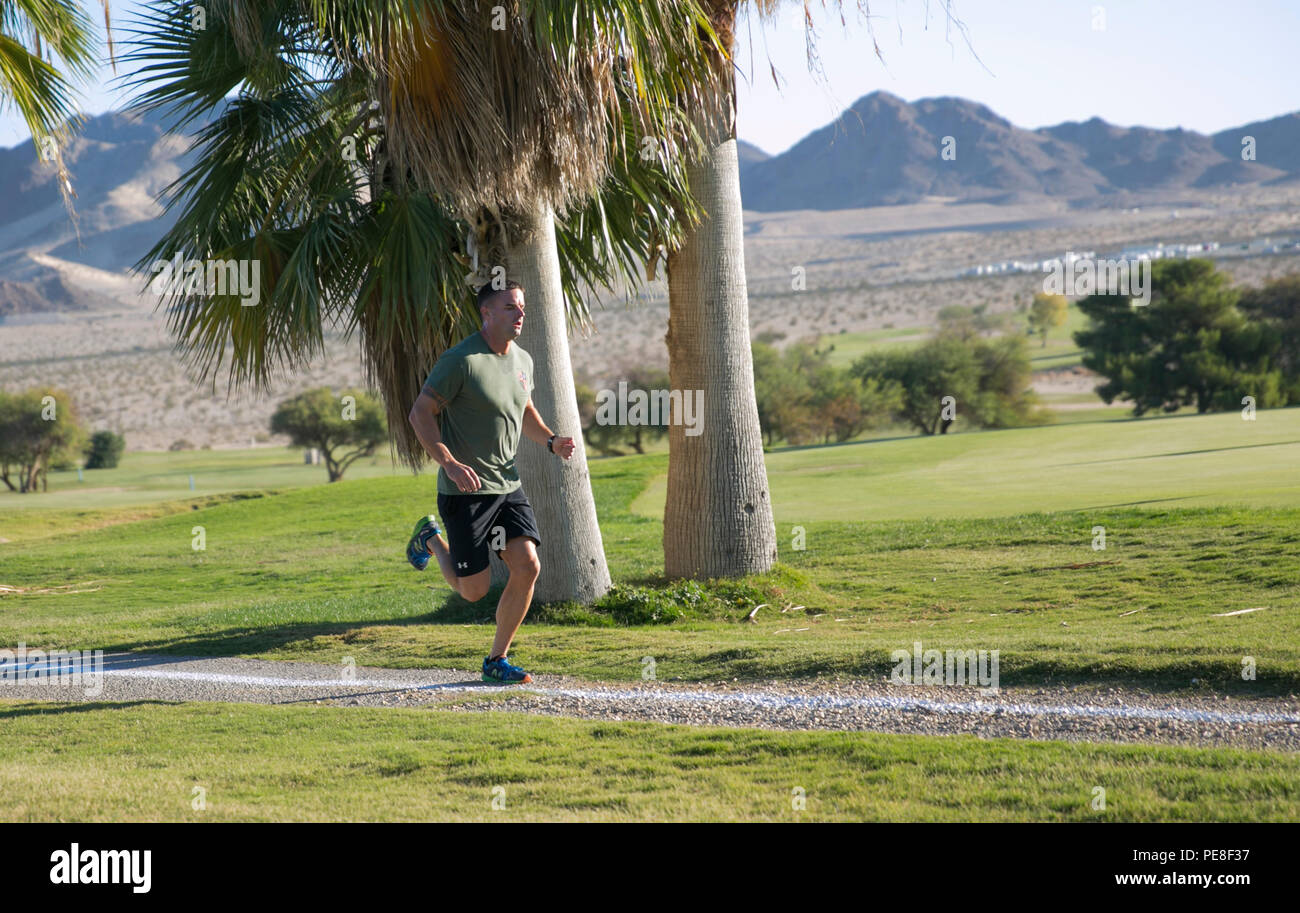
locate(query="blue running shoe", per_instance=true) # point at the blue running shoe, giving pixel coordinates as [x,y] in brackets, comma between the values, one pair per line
[417,550]
[502,673]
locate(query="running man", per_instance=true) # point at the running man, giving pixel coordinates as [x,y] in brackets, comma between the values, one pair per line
[469,416]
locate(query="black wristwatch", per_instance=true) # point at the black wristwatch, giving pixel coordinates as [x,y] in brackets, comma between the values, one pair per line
[549,441]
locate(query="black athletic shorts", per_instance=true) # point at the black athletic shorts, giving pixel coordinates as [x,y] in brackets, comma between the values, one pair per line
[474,523]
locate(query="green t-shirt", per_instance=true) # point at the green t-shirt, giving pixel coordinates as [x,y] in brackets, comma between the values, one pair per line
[482,397]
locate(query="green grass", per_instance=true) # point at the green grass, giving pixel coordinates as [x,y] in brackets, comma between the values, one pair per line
[962,542]
[969,541]
[1175,461]
[145,477]
[1060,351]
[846,348]
[1080,416]
[143,762]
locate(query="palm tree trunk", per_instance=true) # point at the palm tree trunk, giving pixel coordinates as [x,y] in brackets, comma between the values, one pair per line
[572,555]
[718,518]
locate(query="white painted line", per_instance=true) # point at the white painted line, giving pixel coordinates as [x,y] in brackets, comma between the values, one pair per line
[756,699]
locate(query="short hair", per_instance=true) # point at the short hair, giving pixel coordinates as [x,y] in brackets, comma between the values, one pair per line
[486,291]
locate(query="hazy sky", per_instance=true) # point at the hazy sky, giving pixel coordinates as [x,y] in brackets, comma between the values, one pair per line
[1162,63]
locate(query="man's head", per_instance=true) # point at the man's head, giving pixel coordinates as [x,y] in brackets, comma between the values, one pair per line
[502,309]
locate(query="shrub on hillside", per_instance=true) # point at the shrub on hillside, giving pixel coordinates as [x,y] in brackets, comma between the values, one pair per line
[105,450]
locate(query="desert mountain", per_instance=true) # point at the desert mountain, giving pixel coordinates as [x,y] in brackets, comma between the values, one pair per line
[881,151]
[885,151]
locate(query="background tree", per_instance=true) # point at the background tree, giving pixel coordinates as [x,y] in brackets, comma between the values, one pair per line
[852,405]
[1005,398]
[38,428]
[1046,312]
[104,450]
[655,427]
[608,438]
[966,322]
[1277,306]
[604,438]
[10,453]
[778,392]
[838,405]
[318,418]
[941,367]
[988,381]
[1191,345]
[803,399]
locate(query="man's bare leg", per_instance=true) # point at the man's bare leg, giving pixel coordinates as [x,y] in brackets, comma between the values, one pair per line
[437,547]
[472,588]
[520,556]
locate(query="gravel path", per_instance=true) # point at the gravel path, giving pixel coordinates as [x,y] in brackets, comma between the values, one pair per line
[1103,714]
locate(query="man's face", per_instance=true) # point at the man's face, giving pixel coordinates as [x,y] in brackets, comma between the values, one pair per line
[505,311]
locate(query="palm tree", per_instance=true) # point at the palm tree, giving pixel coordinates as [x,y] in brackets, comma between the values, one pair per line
[32,34]
[718,515]
[379,242]
[512,121]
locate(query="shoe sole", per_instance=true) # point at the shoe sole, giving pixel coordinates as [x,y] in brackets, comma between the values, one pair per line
[412,541]
[412,563]
[496,681]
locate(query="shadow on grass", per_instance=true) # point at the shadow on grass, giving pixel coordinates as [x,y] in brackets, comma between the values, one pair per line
[1191,678]
[1157,456]
[454,610]
[250,641]
[44,709]
[1194,676]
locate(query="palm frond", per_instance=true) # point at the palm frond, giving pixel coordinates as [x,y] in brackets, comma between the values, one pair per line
[33,33]
[362,246]
[512,116]
[411,302]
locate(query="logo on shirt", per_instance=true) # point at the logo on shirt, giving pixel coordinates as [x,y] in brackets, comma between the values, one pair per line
[523,380]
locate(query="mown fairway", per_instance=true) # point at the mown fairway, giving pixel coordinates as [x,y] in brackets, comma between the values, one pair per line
[149,477]
[1170,461]
[1059,352]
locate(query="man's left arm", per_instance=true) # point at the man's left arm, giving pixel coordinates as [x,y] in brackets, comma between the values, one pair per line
[536,430]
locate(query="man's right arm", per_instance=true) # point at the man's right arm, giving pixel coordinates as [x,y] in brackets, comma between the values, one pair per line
[424,419]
